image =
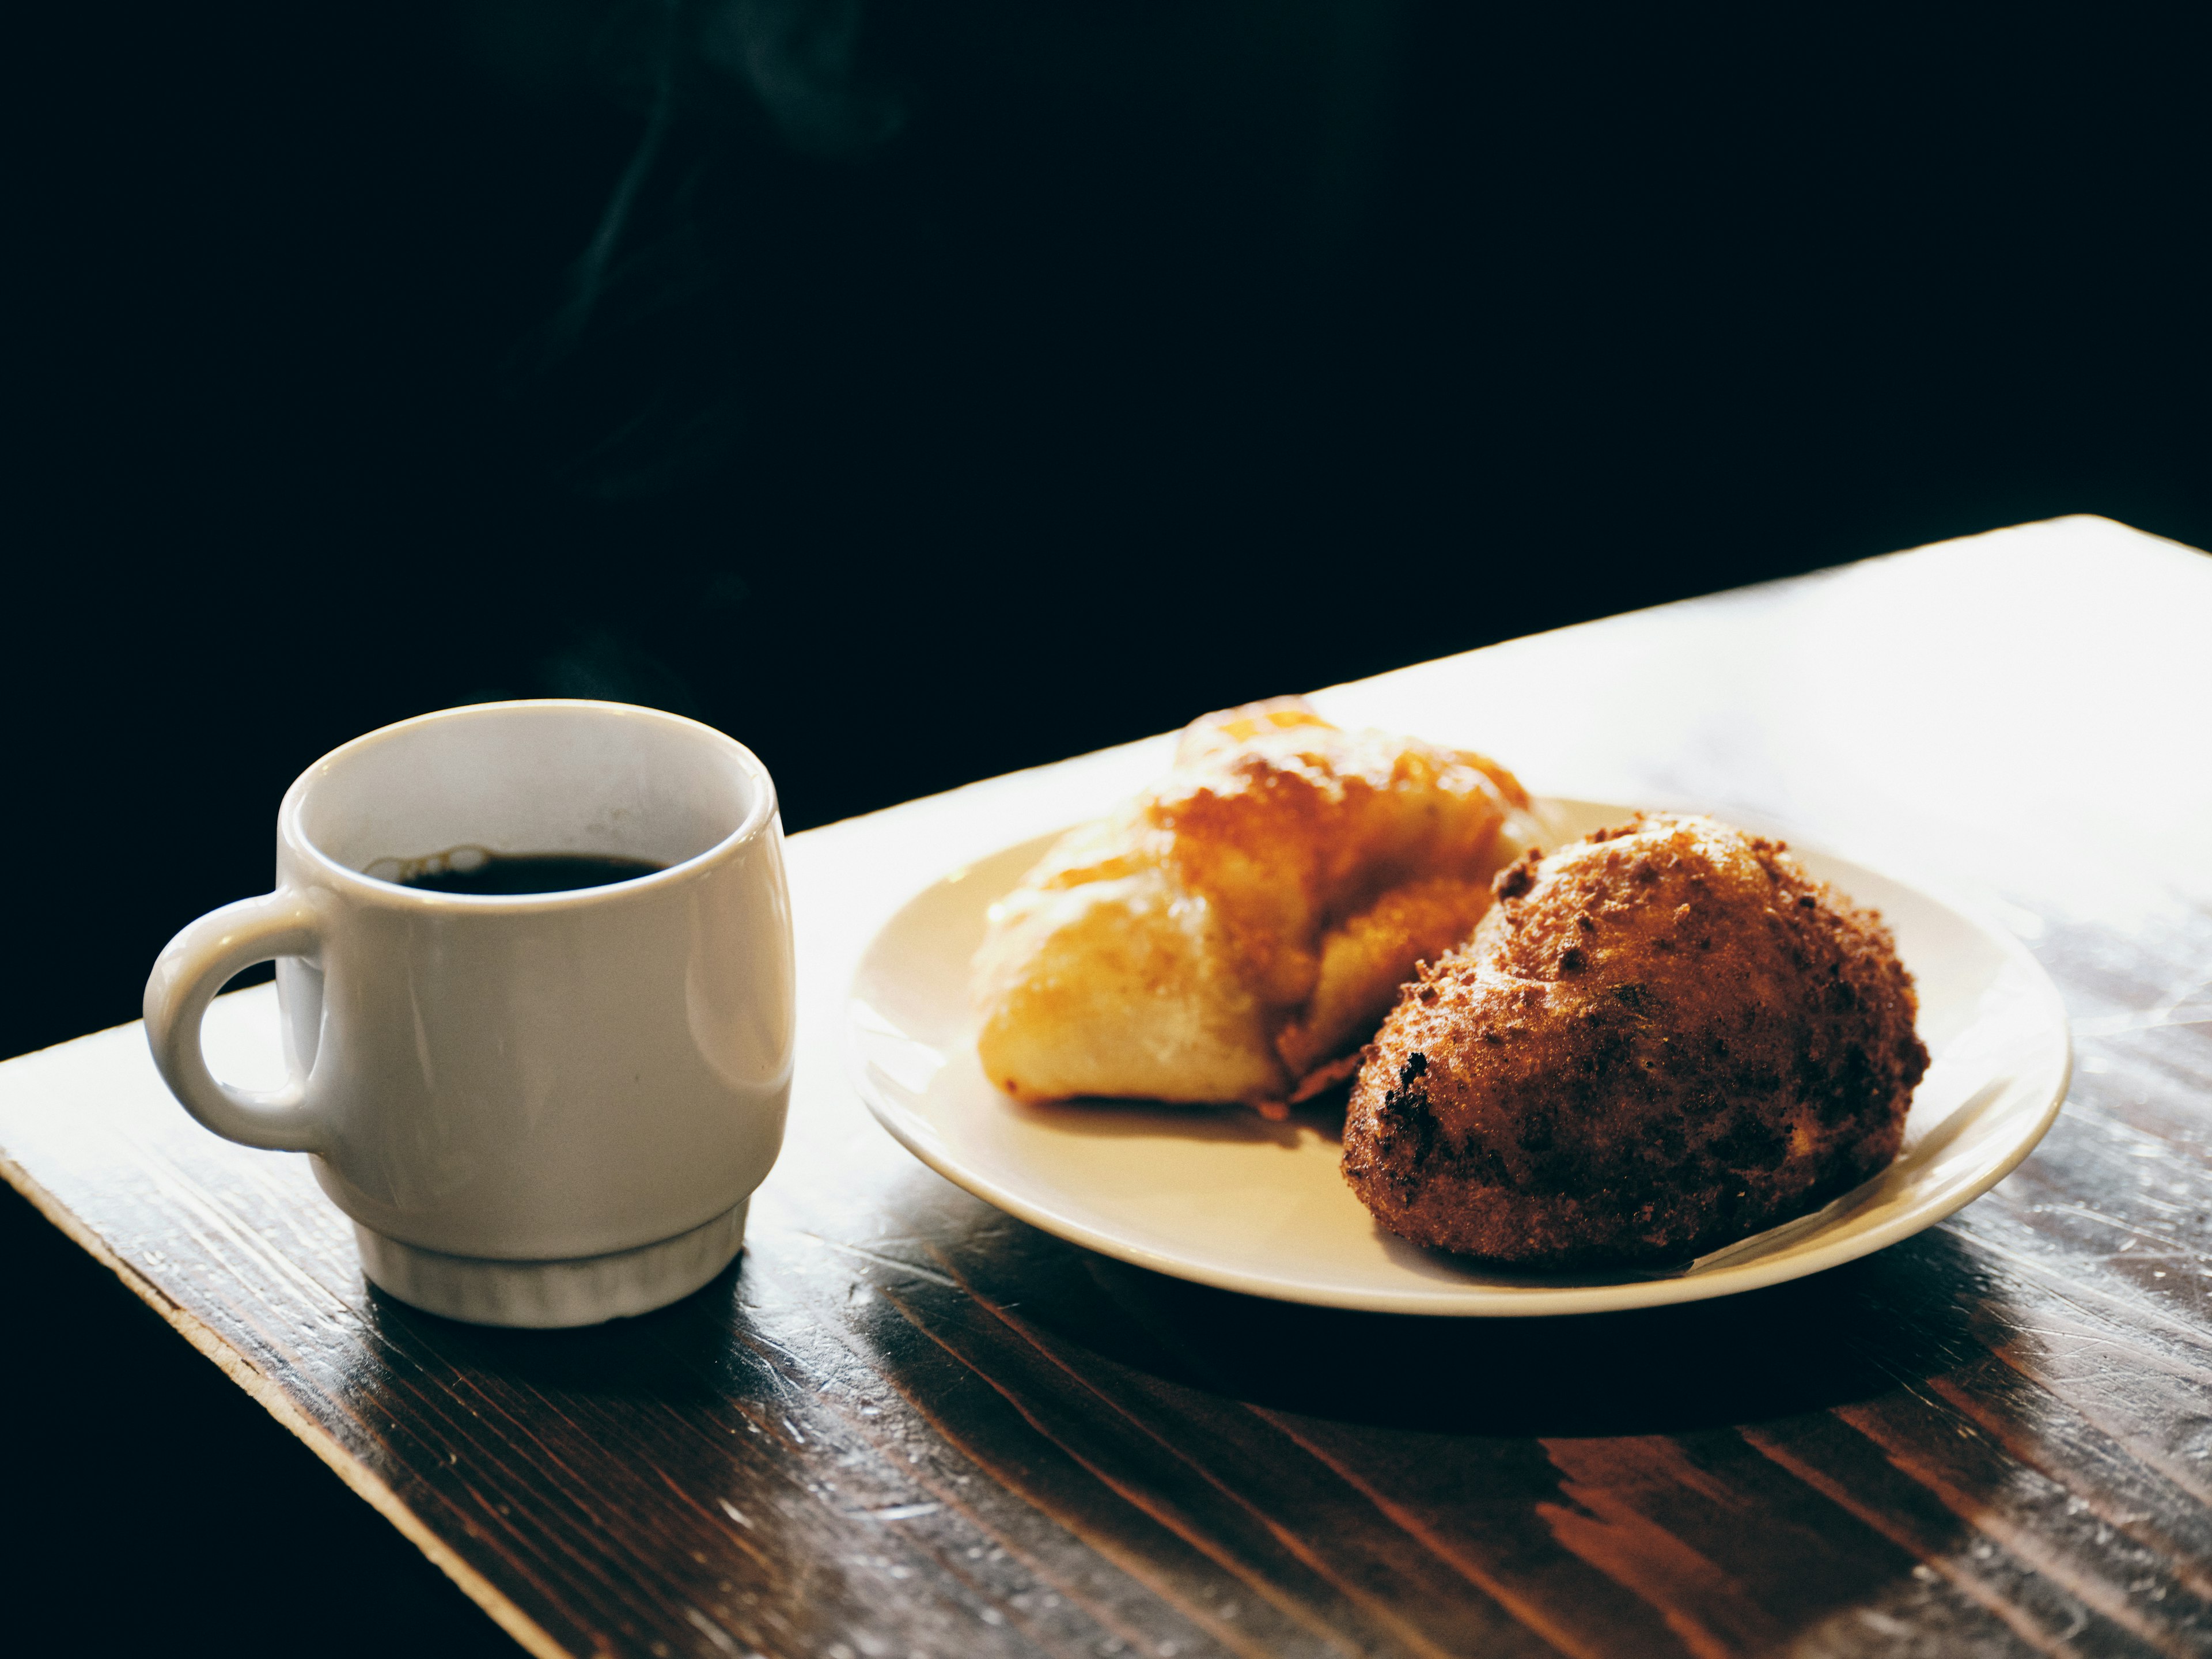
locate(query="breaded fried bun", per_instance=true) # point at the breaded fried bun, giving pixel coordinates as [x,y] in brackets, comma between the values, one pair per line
[1663,1038]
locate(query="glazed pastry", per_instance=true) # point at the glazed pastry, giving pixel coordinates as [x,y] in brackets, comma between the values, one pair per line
[1235,933]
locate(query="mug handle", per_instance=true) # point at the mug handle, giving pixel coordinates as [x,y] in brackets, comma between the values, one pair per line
[191,968]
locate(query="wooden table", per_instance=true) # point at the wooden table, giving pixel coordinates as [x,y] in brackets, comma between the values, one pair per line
[908,1425]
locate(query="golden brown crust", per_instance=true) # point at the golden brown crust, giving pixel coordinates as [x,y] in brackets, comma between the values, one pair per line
[1663,1038]
[1251,917]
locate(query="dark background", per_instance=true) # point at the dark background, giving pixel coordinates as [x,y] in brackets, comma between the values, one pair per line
[921,390]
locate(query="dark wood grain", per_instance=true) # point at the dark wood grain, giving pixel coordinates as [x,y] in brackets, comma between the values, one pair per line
[906,1424]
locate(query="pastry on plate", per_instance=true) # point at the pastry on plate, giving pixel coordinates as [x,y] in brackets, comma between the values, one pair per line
[1235,932]
[1665,1038]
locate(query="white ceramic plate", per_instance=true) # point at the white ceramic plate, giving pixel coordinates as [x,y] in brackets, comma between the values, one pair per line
[1221,1196]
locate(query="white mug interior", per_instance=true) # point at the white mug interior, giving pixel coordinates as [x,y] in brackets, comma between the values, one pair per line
[575,779]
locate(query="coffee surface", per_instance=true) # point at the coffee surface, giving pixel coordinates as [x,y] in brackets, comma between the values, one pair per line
[531,872]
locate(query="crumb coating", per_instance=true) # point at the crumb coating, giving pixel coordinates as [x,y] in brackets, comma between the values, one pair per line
[1663,1038]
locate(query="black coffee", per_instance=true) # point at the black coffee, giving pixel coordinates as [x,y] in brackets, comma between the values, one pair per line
[530,872]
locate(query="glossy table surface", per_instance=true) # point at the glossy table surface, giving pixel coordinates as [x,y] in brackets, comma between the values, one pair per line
[906,1424]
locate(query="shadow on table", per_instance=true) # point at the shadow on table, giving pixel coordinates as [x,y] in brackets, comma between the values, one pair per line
[1848,1334]
[680,1355]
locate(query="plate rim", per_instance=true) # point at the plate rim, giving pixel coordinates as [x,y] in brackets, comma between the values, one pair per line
[1475,1302]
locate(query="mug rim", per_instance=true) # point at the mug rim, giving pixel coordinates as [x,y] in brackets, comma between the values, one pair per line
[293,832]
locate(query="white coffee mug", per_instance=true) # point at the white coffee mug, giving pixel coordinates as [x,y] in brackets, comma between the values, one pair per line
[540,1109]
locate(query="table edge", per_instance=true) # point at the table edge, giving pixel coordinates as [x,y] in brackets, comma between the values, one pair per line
[359,1478]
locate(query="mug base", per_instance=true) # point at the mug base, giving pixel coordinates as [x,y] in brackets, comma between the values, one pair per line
[553,1295]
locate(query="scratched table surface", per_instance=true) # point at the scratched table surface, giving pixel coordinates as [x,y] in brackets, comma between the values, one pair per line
[905,1423]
